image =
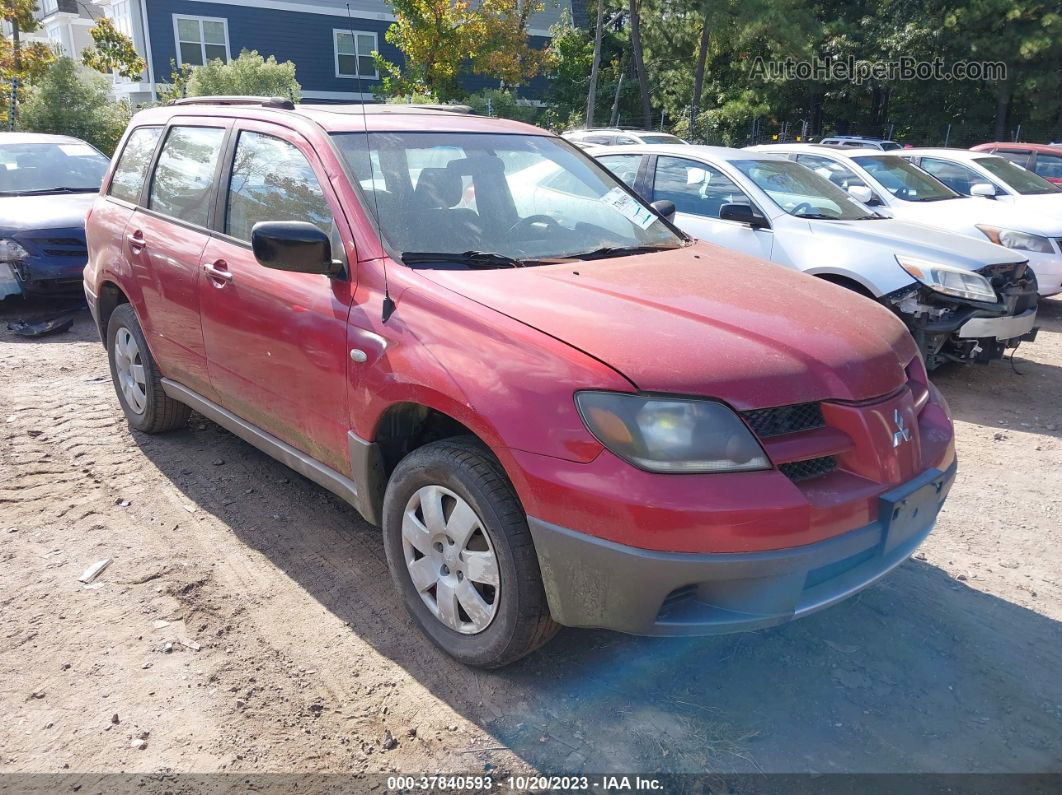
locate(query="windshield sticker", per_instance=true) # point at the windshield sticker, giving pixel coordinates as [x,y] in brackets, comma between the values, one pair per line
[629,208]
[77,150]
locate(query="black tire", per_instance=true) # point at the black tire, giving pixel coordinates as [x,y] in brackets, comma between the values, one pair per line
[522,621]
[161,412]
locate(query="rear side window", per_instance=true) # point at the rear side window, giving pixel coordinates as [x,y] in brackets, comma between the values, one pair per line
[1049,166]
[272,181]
[185,172]
[1014,156]
[133,164]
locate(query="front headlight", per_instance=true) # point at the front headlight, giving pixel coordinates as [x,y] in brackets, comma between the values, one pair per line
[662,434]
[1012,238]
[949,280]
[11,251]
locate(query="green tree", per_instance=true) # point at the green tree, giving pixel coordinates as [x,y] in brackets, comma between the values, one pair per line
[502,104]
[248,75]
[72,100]
[177,88]
[113,51]
[506,52]
[436,37]
[19,14]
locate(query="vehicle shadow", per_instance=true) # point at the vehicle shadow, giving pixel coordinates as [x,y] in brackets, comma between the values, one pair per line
[919,673]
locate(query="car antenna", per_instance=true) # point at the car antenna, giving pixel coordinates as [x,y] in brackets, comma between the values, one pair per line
[388,303]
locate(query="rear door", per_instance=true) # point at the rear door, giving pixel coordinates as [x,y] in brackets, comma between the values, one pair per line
[699,192]
[105,232]
[276,341]
[165,239]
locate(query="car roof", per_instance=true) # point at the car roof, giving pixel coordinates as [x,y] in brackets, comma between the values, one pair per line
[941,151]
[723,153]
[1052,148]
[36,138]
[818,149]
[342,118]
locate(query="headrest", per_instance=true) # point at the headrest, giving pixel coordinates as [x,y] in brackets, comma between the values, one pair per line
[438,188]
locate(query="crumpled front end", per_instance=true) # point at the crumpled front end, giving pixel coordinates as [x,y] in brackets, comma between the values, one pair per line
[45,261]
[952,329]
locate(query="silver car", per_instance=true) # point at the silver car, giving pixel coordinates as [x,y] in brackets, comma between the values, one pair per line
[963,299]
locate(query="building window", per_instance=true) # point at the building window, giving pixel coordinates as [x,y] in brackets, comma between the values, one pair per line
[354,49]
[201,39]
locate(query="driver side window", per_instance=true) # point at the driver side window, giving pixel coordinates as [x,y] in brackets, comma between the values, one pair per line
[695,188]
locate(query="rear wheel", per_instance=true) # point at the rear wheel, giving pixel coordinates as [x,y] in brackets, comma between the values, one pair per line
[137,379]
[461,554]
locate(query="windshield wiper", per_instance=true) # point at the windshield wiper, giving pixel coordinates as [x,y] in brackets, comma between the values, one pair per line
[473,259]
[819,216]
[60,189]
[617,251]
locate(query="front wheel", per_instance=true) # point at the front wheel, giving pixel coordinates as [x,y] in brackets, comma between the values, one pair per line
[461,554]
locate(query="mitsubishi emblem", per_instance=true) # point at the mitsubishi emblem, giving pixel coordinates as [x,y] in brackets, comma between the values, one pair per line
[903,434]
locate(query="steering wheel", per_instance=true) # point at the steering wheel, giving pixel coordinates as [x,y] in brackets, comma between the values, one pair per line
[549,221]
[803,206]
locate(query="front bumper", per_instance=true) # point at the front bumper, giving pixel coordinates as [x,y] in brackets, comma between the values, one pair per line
[1000,328]
[591,582]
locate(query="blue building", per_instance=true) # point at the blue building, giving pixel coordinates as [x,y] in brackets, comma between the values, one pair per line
[329,45]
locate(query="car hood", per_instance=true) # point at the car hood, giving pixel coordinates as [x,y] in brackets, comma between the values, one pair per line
[974,210]
[704,320]
[891,236]
[51,211]
[1041,203]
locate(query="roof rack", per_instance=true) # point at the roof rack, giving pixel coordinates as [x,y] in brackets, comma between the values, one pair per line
[265,102]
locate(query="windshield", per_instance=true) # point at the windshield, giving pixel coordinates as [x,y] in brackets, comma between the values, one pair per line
[50,168]
[800,191]
[661,139]
[1019,179]
[903,180]
[522,197]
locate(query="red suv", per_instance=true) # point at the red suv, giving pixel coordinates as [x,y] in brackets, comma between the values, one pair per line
[559,409]
[1042,159]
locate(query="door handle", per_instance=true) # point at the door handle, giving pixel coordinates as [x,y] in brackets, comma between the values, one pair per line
[136,240]
[214,272]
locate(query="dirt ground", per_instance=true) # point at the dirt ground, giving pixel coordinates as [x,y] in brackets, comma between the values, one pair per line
[247,622]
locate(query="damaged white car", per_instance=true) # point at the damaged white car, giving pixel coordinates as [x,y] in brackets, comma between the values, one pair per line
[963,300]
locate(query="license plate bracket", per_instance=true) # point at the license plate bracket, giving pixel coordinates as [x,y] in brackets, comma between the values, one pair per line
[905,511]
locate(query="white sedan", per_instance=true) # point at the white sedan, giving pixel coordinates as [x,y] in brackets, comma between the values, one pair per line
[963,299]
[903,190]
[989,176]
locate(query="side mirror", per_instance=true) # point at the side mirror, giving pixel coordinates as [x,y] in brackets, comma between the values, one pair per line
[861,193]
[983,189]
[295,246]
[666,208]
[743,214]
